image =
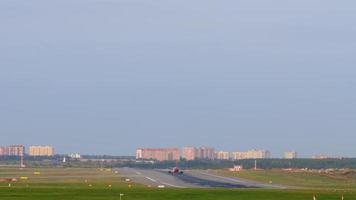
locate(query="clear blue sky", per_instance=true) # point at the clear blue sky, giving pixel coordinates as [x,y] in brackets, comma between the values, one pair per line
[107,76]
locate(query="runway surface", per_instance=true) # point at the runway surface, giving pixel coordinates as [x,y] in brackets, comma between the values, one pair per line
[154,178]
[190,179]
[240,183]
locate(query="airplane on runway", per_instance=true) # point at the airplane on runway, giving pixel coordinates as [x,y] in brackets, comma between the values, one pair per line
[175,170]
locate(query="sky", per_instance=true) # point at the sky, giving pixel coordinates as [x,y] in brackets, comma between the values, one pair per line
[108,76]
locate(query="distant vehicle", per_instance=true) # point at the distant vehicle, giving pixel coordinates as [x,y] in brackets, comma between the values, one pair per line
[161,186]
[175,171]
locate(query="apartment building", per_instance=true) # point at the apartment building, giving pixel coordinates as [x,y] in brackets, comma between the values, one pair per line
[41,151]
[193,153]
[222,155]
[160,154]
[12,150]
[252,154]
[290,155]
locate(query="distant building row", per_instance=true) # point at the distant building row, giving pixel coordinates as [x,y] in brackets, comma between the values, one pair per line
[19,150]
[193,153]
[196,153]
[12,150]
[161,154]
[41,151]
[158,154]
[253,154]
[290,155]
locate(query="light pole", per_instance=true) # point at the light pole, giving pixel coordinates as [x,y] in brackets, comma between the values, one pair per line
[255,165]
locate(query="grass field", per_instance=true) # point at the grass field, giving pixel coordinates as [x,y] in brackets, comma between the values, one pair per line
[93,184]
[305,180]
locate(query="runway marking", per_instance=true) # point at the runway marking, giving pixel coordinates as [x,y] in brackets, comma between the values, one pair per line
[242,182]
[133,175]
[151,179]
[176,186]
[226,178]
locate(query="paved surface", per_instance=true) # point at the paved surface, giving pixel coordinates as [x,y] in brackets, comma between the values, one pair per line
[190,179]
[206,175]
[154,178]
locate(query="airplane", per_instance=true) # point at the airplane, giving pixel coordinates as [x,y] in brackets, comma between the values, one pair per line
[175,170]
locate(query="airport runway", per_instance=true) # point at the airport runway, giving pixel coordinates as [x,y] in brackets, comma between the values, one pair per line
[153,178]
[206,175]
[190,179]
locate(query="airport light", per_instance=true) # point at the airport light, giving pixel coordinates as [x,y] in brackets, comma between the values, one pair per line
[121,195]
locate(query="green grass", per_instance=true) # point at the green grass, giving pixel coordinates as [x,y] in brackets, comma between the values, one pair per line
[82,193]
[296,179]
[73,184]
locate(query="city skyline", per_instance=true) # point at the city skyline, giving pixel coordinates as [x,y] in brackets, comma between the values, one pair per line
[61,149]
[96,151]
[186,152]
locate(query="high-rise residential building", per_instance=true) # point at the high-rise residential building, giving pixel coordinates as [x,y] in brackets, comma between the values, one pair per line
[161,154]
[290,155]
[12,150]
[193,153]
[3,151]
[139,154]
[190,153]
[41,151]
[252,154]
[222,155]
[238,155]
[206,153]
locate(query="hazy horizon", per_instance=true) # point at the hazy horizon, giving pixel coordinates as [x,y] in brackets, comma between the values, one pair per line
[108,76]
